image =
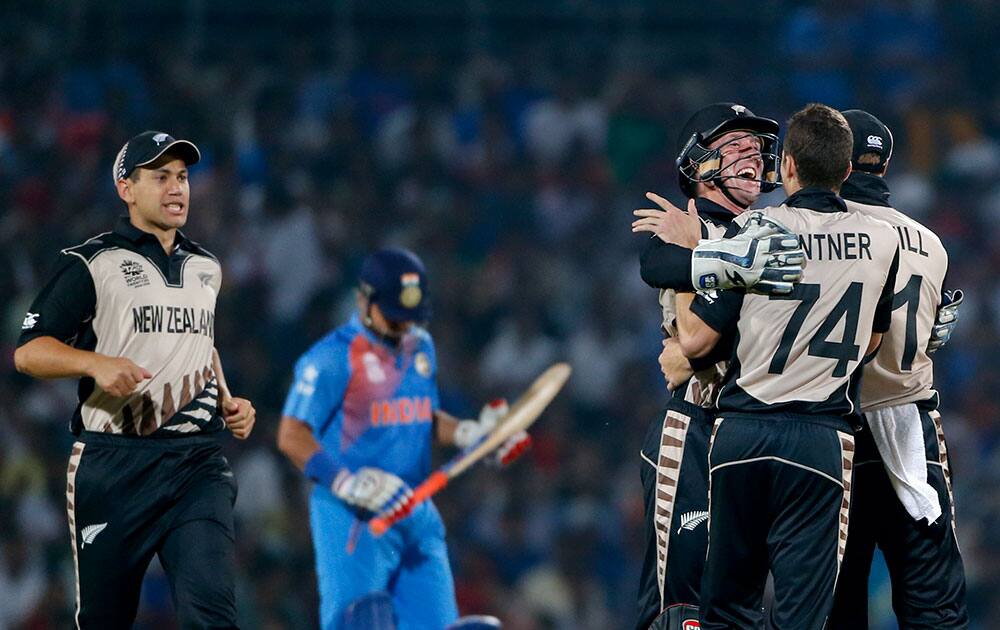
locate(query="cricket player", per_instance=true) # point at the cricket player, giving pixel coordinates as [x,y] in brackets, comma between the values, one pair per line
[726,157]
[782,448]
[131,313]
[359,421]
[902,477]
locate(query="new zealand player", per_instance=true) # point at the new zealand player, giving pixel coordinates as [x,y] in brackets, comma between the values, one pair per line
[781,453]
[131,313]
[359,421]
[726,158]
[902,481]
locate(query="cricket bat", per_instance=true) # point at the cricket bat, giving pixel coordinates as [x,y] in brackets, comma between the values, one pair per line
[522,415]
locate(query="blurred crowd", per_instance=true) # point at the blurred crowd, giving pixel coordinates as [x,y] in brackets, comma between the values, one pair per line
[510,159]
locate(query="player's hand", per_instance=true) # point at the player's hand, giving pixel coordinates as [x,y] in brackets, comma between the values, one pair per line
[946,320]
[117,376]
[675,366]
[468,432]
[763,257]
[240,416]
[669,223]
[373,491]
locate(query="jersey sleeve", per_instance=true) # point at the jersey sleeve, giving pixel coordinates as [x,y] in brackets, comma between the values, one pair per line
[720,311]
[319,387]
[883,312]
[67,301]
[434,393]
[666,265]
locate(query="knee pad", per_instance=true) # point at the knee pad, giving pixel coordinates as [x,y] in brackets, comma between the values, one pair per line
[371,612]
[476,622]
[677,617]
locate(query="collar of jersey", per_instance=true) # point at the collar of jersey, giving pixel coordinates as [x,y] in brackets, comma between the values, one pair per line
[720,215]
[818,199]
[125,228]
[866,188]
[369,335]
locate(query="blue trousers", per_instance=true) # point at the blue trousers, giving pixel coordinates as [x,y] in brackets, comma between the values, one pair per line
[410,562]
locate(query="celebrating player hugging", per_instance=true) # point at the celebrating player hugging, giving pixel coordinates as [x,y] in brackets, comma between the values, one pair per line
[359,421]
[803,299]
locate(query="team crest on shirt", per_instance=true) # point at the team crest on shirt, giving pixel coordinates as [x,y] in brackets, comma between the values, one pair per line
[411,294]
[423,364]
[135,275]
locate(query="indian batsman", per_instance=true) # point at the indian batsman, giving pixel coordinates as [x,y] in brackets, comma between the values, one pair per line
[359,421]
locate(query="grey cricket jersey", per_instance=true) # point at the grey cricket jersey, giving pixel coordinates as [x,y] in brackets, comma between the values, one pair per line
[119,294]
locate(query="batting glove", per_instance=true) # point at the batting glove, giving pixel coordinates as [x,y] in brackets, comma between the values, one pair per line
[763,257]
[946,320]
[373,490]
[515,446]
[469,432]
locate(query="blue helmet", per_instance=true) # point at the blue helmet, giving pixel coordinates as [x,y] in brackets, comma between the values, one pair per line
[396,280]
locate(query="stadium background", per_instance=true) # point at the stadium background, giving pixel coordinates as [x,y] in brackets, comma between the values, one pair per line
[507,142]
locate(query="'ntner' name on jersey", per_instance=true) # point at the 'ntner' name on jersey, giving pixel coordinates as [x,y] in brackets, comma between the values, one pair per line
[173,319]
[837,246]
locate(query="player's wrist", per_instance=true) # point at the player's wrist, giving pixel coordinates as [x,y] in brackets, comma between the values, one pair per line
[323,469]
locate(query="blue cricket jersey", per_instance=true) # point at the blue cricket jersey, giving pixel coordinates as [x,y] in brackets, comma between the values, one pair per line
[367,403]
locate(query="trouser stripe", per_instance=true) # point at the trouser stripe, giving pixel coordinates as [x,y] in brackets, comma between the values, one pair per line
[74,465]
[847,466]
[675,427]
[943,459]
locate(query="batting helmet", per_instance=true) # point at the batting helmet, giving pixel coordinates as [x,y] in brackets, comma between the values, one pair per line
[697,163]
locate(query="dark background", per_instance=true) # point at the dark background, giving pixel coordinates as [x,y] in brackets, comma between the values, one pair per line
[507,142]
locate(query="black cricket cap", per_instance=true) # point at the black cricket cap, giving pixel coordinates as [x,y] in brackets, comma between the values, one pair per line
[147,147]
[871,136]
[396,280]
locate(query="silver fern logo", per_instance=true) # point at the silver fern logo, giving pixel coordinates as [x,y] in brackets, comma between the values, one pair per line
[690,520]
[90,532]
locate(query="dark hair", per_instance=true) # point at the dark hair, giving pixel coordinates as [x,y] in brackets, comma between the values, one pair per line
[820,141]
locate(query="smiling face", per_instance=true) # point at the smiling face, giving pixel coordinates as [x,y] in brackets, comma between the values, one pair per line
[157,196]
[742,166]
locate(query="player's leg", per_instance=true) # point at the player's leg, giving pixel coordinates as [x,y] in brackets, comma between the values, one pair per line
[345,575]
[111,550]
[424,590]
[924,561]
[198,551]
[732,585]
[868,501]
[675,485]
[809,506]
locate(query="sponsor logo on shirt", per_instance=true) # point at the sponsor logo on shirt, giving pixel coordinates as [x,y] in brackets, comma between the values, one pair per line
[373,368]
[401,411]
[135,275]
[29,321]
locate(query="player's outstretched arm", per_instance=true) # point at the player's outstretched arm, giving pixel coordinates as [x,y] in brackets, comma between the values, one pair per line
[238,413]
[47,357]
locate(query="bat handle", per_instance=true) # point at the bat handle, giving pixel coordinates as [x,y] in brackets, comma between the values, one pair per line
[381,524]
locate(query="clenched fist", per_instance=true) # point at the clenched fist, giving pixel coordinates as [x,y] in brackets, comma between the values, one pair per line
[117,376]
[239,415]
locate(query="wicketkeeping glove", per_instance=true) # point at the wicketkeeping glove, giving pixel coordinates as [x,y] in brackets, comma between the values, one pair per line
[946,320]
[763,257]
[469,432]
[372,490]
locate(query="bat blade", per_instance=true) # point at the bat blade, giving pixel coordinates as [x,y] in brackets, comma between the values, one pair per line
[522,415]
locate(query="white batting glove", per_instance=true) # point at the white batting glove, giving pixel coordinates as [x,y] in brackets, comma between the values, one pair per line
[946,320]
[763,257]
[372,490]
[468,432]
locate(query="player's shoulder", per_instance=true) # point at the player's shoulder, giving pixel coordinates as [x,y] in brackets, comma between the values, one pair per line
[422,335]
[197,249]
[331,347]
[894,218]
[91,248]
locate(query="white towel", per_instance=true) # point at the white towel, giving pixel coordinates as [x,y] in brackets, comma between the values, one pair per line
[899,437]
